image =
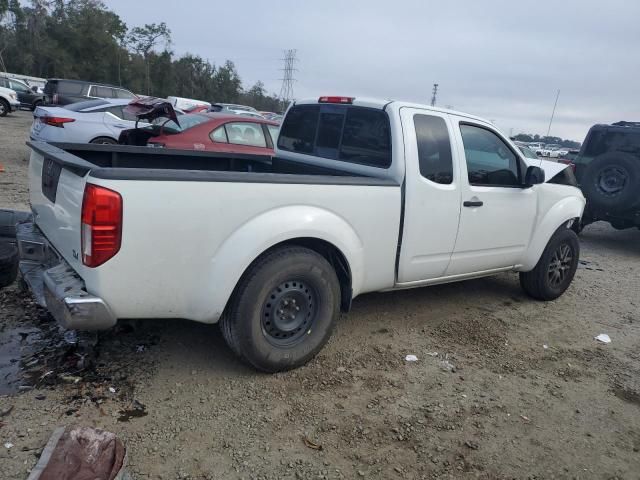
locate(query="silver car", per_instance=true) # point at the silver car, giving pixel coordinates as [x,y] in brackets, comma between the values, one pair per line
[91,121]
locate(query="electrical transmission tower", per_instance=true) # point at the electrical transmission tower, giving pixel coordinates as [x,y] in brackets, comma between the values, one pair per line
[286,91]
[435,94]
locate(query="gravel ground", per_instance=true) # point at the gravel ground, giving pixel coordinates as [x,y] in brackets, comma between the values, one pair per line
[518,388]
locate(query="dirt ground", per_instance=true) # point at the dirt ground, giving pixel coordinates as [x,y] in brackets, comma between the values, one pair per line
[504,387]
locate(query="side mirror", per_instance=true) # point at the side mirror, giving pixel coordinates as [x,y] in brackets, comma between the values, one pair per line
[534,176]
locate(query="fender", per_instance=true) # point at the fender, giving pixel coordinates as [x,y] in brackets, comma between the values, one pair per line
[249,241]
[560,208]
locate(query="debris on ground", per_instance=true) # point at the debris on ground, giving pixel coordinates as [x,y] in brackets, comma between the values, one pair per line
[309,444]
[81,453]
[411,358]
[603,338]
[447,366]
[134,410]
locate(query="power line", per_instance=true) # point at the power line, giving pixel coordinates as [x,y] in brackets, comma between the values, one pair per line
[435,94]
[286,91]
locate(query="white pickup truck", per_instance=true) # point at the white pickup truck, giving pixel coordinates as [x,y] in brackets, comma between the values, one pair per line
[361,196]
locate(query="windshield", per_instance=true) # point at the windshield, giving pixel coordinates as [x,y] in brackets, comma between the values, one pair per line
[187,121]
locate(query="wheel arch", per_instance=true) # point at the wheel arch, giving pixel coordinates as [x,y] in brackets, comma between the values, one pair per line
[314,228]
[103,136]
[567,210]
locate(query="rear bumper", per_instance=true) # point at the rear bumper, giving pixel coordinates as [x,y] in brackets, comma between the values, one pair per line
[56,286]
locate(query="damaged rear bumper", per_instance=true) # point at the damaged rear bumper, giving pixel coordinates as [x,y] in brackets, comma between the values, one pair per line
[56,286]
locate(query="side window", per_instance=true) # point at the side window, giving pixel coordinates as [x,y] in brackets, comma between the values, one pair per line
[120,93]
[70,88]
[101,92]
[366,138]
[298,131]
[245,133]
[219,135]
[434,149]
[489,160]
[18,87]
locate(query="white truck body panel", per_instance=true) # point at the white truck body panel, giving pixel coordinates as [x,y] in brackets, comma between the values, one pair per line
[186,244]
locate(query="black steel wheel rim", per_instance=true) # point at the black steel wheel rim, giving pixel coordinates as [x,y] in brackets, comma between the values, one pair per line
[560,265]
[289,313]
[612,180]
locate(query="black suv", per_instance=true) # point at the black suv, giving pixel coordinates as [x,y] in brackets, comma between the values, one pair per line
[608,172]
[26,95]
[62,92]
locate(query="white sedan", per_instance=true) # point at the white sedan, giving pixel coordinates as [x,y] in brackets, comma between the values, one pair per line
[92,121]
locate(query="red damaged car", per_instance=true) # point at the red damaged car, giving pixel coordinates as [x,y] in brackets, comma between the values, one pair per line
[213,132]
[216,132]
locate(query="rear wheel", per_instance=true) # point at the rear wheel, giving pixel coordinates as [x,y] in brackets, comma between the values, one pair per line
[4,107]
[283,310]
[36,104]
[556,268]
[104,141]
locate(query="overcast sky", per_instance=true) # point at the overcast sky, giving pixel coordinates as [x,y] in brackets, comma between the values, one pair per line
[502,60]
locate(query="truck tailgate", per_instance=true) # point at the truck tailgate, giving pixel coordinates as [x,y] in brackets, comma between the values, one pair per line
[56,191]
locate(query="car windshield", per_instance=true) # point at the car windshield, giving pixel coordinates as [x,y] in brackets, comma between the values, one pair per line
[86,105]
[187,121]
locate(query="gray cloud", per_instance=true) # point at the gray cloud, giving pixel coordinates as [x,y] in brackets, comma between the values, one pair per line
[502,60]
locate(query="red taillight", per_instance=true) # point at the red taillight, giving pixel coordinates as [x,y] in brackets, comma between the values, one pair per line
[101,225]
[336,100]
[56,121]
[568,162]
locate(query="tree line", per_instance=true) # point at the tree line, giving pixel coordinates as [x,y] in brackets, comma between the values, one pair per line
[83,39]
[527,137]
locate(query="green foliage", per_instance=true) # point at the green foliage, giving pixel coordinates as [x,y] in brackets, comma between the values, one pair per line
[527,137]
[83,39]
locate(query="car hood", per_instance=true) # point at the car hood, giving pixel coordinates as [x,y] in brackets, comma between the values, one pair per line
[150,108]
[551,169]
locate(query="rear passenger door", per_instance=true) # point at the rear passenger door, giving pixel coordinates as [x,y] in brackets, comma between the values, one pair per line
[432,196]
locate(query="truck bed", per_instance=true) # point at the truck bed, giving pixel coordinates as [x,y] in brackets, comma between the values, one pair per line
[192,222]
[120,162]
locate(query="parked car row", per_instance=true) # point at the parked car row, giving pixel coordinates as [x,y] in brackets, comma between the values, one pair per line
[102,121]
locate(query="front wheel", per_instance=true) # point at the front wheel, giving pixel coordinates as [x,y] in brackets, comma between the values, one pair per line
[283,310]
[556,268]
[4,107]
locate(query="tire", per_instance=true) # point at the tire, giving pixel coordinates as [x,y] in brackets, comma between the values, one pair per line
[4,107]
[8,264]
[556,268]
[104,141]
[611,182]
[36,104]
[283,310]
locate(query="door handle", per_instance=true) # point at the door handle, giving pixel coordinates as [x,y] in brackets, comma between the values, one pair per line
[473,203]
